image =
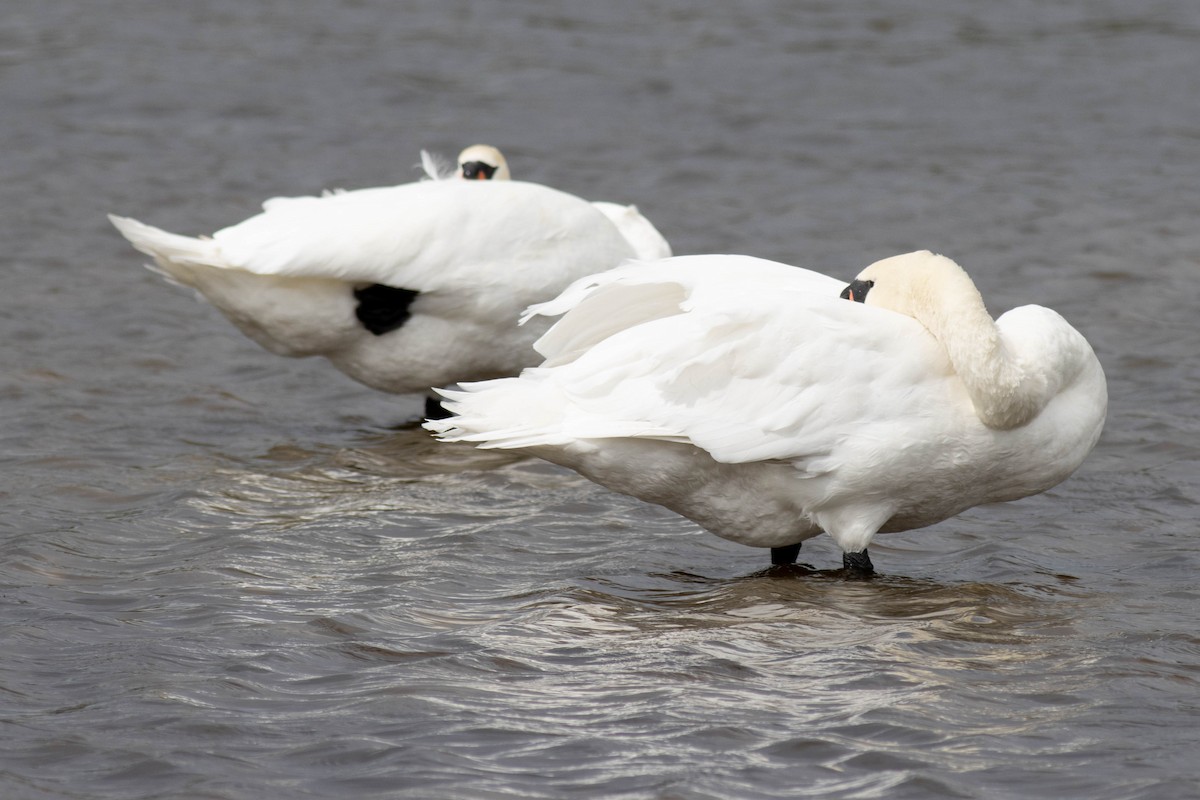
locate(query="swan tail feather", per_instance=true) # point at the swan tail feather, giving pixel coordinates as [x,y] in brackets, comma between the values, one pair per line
[173,254]
[496,414]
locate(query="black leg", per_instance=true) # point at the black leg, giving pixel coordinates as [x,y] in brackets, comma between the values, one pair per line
[782,556]
[858,562]
[434,410]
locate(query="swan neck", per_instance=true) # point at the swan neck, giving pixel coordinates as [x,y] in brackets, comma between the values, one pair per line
[999,389]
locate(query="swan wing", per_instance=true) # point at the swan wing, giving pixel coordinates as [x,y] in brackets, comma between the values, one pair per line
[639,292]
[424,236]
[742,373]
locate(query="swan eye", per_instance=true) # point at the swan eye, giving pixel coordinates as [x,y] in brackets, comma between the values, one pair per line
[857,290]
[478,171]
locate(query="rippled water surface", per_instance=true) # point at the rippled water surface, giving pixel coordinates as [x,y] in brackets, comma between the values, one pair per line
[226,575]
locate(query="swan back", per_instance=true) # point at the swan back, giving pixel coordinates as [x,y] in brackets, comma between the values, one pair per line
[426,235]
[484,162]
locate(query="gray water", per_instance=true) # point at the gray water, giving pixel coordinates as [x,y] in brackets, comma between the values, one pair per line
[229,575]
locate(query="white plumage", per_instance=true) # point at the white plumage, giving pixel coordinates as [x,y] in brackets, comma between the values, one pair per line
[464,258]
[484,162]
[647,243]
[749,397]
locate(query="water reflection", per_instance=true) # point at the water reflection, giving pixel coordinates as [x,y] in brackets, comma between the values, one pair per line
[510,619]
[510,611]
[822,606]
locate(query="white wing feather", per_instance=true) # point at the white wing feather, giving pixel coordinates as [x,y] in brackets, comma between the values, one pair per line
[363,235]
[695,351]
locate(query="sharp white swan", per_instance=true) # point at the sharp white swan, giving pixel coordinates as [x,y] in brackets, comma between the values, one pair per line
[749,397]
[402,288]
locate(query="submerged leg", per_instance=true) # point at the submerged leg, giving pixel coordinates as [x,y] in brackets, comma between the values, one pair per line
[858,562]
[782,556]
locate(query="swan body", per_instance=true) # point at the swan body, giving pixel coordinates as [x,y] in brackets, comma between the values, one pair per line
[402,288]
[751,398]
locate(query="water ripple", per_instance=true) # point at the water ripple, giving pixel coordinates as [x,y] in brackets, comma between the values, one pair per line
[226,575]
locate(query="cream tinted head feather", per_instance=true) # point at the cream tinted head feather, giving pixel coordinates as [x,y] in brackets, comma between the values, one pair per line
[482,162]
[916,284]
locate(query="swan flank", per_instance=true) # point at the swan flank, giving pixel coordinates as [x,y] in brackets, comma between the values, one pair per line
[750,398]
[402,288]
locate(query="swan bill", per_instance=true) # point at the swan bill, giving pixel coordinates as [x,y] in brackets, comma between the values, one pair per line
[856,292]
[478,171]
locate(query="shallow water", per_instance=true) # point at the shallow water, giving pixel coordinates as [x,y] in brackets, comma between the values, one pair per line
[228,575]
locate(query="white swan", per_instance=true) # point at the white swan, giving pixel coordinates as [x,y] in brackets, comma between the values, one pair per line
[484,162]
[748,397]
[402,288]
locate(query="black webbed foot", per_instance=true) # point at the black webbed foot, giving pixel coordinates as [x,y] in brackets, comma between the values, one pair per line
[858,563]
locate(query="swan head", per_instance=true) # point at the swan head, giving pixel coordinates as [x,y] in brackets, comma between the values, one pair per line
[482,162]
[1008,377]
[919,285]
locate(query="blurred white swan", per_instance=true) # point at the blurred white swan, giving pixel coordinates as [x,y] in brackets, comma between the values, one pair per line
[402,288]
[750,398]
